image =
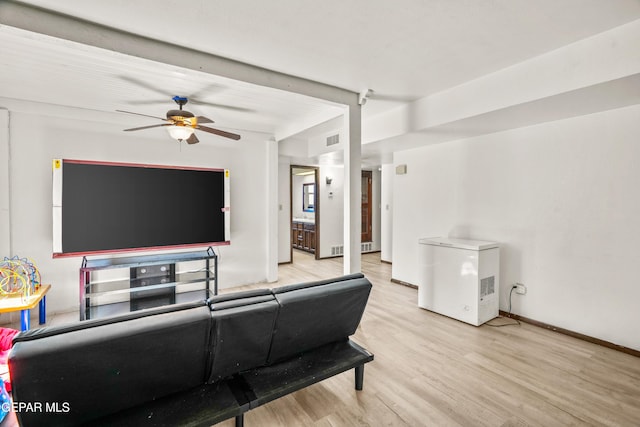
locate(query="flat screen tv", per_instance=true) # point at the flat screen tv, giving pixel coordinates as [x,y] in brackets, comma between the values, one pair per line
[101,207]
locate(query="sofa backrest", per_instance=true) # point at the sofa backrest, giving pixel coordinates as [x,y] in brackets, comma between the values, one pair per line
[98,367]
[317,313]
[242,328]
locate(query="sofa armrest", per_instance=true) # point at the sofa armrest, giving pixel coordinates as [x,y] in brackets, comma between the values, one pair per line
[312,316]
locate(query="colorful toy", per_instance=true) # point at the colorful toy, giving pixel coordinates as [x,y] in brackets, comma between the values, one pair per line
[18,276]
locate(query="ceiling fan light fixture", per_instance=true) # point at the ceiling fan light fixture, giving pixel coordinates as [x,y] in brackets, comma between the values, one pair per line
[181,133]
[181,124]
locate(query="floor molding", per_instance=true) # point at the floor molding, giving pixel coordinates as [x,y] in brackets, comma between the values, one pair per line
[385,261]
[342,256]
[572,334]
[563,331]
[400,282]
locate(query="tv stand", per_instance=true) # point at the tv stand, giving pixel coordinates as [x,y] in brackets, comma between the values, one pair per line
[153,280]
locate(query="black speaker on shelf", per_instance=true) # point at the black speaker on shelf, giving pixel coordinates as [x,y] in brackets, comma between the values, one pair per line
[150,275]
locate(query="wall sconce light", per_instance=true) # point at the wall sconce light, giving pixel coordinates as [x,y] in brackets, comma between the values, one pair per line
[401,169]
[328,180]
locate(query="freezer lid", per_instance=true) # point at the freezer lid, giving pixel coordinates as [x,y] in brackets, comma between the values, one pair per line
[475,245]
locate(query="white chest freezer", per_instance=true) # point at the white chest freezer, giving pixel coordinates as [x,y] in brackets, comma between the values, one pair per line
[459,278]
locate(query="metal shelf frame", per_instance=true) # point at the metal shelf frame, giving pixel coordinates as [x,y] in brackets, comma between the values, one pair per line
[91,289]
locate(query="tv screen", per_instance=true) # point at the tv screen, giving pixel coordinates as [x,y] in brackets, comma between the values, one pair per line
[103,207]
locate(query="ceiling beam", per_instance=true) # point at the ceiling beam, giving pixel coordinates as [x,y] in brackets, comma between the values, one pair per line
[55,24]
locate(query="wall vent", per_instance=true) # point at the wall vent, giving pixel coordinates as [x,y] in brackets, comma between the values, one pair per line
[333,139]
[339,250]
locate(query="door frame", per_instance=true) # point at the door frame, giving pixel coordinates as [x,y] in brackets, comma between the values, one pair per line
[316,210]
[369,176]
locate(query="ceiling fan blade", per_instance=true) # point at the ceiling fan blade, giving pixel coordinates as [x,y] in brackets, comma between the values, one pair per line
[148,102]
[193,139]
[196,101]
[203,119]
[219,132]
[148,127]
[210,88]
[144,115]
[143,84]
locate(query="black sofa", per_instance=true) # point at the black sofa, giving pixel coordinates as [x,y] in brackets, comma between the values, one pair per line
[192,364]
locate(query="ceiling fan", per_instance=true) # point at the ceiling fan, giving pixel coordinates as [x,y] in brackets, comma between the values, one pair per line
[181,124]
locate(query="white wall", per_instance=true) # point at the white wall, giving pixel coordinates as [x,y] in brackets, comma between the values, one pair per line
[5,230]
[272,216]
[562,200]
[39,133]
[386,213]
[317,144]
[331,209]
[284,210]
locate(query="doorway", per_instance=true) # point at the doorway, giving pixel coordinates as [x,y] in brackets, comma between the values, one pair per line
[367,207]
[305,210]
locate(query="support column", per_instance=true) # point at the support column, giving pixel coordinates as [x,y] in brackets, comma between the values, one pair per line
[353,191]
[272,210]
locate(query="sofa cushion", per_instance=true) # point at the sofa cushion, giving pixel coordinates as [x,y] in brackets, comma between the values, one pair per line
[96,368]
[242,327]
[295,373]
[238,296]
[295,287]
[317,313]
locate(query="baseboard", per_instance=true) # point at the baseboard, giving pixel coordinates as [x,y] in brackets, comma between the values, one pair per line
[330,257]
[385,261]
[573,334]
[400,282]
[563,331]
[341,256]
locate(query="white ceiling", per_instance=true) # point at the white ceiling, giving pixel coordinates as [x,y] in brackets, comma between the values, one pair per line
[403,50]
[44,69]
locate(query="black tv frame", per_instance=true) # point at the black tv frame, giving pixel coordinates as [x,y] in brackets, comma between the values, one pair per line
[112,207]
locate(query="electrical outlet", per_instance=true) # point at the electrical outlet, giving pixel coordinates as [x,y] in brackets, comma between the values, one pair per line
[520,288]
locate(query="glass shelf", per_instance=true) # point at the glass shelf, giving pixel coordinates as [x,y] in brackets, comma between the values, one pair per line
[94,289]
[154,280]
[113,309]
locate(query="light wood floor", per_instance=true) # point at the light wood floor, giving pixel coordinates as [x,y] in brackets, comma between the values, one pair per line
[430,370]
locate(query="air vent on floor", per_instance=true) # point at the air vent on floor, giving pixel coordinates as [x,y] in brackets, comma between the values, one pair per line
[339,250]
[333,139]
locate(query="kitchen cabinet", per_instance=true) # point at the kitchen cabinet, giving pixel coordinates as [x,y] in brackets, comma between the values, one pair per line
[303,236]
